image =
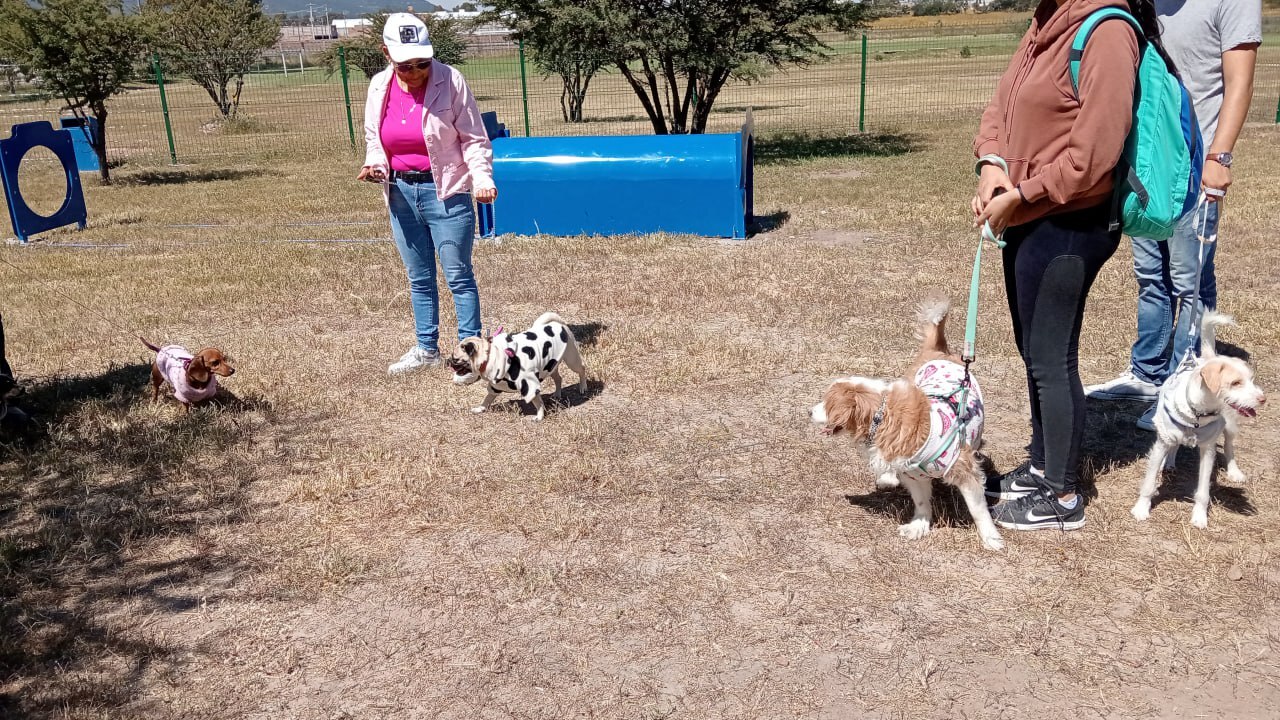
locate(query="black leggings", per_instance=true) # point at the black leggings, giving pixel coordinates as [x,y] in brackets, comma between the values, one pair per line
[1049,266]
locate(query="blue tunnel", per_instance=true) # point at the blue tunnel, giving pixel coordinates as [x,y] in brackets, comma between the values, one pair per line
[616,185]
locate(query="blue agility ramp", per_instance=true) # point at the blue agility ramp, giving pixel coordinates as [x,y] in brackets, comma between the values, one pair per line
[694,184]
[23,138]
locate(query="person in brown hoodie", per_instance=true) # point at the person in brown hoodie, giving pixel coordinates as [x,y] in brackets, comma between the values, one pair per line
[1054,206]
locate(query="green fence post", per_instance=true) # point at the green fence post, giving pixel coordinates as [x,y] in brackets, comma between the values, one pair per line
[862,89]
[164,107]
[524,90]
[346,93]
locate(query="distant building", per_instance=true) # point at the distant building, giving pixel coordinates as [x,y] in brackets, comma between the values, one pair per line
[346,27]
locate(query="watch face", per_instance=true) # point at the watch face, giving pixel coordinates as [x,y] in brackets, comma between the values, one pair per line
[1224,159]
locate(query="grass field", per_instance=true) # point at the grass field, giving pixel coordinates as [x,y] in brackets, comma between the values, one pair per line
[677,542]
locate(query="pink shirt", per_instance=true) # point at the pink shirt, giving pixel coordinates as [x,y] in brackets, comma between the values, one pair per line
[402,130]
[461,155]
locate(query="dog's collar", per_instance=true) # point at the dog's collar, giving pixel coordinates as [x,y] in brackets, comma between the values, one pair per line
[878,417]
[1187,423]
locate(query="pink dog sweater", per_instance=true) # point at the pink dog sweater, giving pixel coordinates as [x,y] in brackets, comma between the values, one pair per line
[173,361]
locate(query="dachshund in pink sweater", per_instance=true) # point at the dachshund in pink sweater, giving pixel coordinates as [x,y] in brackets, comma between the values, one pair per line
[194,378]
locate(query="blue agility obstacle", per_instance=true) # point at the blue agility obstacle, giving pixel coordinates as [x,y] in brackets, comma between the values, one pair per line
[84,134]
[23,138]
[618,185]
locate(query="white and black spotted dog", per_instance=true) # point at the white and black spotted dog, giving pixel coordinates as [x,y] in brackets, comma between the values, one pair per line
[519,362]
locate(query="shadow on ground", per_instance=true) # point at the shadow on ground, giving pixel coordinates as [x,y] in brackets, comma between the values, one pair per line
[780,149]
[97,482]
[185,175]
[587,334]
[949,508]
[767,223]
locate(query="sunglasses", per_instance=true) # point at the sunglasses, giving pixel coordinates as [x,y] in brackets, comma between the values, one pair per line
[419,65]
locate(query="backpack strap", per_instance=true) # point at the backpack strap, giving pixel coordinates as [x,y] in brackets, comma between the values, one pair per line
[1086,29]
[1121,173]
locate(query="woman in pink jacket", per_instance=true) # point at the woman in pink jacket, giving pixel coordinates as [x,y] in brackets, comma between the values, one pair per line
[427,145]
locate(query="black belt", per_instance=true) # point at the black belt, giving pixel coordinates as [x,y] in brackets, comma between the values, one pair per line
[412,176]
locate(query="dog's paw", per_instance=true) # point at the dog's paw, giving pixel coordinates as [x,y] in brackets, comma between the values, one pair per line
[1234,473]
[886,481]
[1199,518]
[914,530]
[1141,510]
[478,409]
[995,542]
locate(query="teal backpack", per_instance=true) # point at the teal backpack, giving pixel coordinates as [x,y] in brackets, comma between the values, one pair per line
[1158,180]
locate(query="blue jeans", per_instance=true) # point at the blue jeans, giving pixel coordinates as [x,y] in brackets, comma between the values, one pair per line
[1167,294]
[424,226]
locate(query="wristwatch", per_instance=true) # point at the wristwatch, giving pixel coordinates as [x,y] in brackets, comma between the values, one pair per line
[1223,159]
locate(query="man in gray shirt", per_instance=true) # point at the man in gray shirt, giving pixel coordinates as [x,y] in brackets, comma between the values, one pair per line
[1214,44]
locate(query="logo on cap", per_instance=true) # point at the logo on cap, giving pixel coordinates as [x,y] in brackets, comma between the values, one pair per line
[408,34]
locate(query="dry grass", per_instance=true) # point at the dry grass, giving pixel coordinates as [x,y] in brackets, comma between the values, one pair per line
[679,543]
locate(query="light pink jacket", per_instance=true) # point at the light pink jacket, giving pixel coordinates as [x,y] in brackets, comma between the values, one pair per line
[461,156]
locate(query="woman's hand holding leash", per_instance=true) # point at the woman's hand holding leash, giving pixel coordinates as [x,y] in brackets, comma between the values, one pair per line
[992,180]
[999,211]
[371,174]
[486,195]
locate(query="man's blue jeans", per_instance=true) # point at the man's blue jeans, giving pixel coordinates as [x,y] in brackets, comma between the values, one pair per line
[1167,295]
[424,226]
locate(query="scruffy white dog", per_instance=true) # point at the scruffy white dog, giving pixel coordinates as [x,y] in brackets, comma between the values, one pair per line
[1198,405]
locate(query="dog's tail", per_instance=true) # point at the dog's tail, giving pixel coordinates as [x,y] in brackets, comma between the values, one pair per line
[1209,325]
[144,342]
[932,322]
[549,317]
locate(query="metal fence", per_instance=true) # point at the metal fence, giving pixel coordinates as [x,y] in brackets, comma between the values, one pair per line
[884,79]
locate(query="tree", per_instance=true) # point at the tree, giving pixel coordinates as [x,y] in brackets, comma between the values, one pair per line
[551,30]
[213,42]
[82,52]
[677,55]
[364,48]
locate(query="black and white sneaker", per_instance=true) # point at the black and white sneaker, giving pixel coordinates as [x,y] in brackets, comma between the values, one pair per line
[1014,484]
[1039,510]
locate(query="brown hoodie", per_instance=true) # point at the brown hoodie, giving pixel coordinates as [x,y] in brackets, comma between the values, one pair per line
[1061,152]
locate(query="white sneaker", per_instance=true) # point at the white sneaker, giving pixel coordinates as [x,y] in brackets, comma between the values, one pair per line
[1126,387]
[415,359]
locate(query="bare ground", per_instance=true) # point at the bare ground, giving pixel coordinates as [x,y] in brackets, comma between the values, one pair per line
[677,542]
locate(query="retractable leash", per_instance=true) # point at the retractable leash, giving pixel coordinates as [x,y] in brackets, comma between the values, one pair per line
[1201,220]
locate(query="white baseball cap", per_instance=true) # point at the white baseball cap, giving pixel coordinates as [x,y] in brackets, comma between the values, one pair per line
[405,36]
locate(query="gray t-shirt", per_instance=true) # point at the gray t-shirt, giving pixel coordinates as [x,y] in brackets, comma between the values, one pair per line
[1196,33]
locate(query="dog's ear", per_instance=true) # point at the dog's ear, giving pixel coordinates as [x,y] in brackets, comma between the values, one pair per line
[197,370]
[849,407]
[470,347]
[1211,376]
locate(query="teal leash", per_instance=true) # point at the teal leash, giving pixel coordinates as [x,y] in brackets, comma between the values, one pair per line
[970,326]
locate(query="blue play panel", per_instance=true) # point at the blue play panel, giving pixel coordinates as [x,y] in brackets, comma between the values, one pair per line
[23,138]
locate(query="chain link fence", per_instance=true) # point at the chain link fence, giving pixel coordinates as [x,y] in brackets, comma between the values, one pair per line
[888,79]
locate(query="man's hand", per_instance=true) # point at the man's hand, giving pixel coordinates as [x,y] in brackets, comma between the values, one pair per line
[1216,177]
